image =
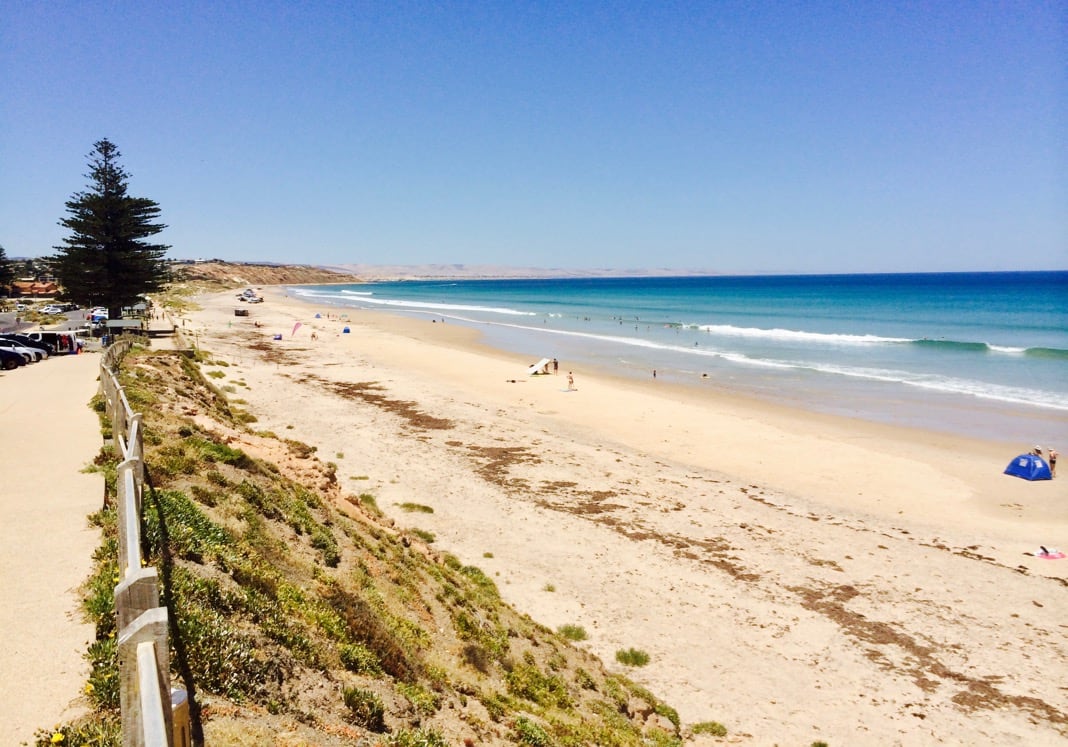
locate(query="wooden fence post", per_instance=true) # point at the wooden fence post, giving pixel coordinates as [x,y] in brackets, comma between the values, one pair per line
[128,502]
[141,671]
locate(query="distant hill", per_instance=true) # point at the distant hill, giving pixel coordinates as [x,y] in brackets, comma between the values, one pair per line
[473,272]
[234,274]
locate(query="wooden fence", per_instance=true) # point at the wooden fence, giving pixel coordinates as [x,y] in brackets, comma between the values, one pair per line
[152,715]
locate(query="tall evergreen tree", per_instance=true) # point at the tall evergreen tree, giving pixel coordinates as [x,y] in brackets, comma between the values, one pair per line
[106,260]
[7,273]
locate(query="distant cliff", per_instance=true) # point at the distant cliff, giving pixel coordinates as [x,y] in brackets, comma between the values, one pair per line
[233,274]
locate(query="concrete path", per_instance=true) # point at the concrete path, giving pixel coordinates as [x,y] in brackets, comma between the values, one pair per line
[48,435]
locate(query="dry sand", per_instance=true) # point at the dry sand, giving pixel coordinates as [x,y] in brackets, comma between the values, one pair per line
[793,576]
[46,544]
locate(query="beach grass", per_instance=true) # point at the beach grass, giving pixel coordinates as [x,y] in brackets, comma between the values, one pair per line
[632,657]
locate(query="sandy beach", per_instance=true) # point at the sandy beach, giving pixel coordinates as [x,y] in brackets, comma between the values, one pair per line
[793,576]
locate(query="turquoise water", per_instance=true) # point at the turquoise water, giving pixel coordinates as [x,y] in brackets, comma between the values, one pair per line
[969,353]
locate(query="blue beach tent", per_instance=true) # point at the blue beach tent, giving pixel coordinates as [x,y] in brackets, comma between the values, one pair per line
[1029,467]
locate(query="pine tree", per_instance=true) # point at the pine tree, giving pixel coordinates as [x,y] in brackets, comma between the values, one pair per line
[105,261]
[7,273]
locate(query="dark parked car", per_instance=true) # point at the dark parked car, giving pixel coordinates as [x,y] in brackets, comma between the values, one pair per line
[30,354]
[9,359]
[30,342]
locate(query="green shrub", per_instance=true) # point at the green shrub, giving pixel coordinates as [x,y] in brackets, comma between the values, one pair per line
[359,659]
[365,709]
[212,451]
[584,680]
[95,730]
[217,478]
[368,501]
[632,657]
[427,537]
[324,542]
[713,728]
[102,689]
[416,738]
[223,660]
[528,732]
[425,702]
[416,508]
[572,632]
[527,681]
[192,535]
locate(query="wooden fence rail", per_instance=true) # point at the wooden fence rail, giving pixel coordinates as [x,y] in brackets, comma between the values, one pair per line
[152,715]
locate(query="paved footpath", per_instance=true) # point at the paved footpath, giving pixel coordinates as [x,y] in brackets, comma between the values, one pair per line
[48,435]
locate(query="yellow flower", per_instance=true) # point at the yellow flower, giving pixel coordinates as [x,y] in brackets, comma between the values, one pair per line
[89,688]
[57,737]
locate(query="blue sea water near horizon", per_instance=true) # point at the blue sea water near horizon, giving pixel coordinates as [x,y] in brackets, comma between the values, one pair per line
[977,354]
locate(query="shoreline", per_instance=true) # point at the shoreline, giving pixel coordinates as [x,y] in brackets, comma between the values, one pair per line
[715,533]
[932,396]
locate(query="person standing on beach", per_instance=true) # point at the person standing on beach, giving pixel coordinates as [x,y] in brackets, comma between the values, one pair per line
[556,366]
[1052,462]
[570,382]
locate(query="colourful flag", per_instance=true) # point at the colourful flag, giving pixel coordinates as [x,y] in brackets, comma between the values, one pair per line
[295,328]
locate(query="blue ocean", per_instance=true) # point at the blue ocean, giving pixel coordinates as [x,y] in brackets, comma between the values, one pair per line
[981,354]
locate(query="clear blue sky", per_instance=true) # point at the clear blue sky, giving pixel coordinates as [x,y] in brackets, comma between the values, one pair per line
[732,137]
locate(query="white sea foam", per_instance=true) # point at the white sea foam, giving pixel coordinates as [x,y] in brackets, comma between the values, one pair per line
[948,385]
[443,308]
[934,382]
[791,335]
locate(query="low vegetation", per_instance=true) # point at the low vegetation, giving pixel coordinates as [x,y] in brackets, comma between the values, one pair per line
[298,609]
[572,632]
[632,657]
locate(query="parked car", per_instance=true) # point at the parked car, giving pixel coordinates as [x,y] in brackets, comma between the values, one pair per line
[26,340]
[255,299]
[9,359]
[52,309]
[31,355]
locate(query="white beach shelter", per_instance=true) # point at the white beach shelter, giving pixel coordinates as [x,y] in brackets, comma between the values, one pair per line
[541,367]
